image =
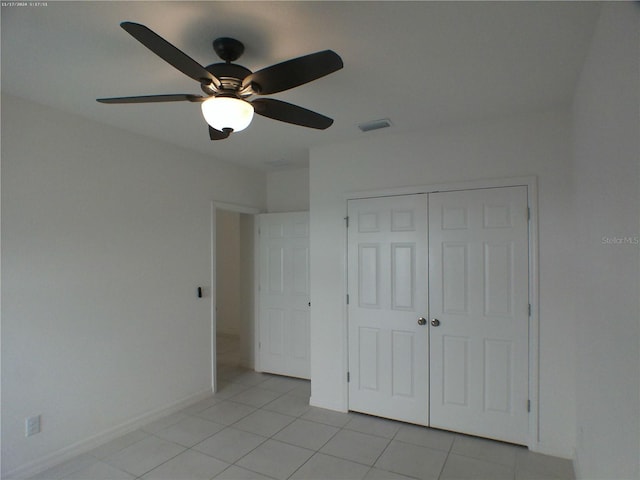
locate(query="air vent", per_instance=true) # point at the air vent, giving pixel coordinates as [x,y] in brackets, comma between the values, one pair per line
[375,125]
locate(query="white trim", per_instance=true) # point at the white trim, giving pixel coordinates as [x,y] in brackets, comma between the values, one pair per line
[71,451]
[561,451]
[335,406]
[443,187]
[531,182]
[534,319]
[232,207]
[345,312]
[215,205]
[257,365]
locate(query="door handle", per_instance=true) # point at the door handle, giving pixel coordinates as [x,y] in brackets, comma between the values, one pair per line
[422,321]
[435,322]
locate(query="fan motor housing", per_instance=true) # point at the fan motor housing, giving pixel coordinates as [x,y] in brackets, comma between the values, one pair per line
[228,70]
[229,74]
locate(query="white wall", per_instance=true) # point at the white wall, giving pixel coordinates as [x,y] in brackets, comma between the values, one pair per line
[607,204]
[105,238]
[288,190]
[537,144]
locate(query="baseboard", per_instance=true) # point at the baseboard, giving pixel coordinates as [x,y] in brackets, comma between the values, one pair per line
[577,470]
[67,453]
[328,406]
[554,450]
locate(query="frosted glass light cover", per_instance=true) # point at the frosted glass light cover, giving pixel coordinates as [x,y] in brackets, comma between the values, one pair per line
[227,112]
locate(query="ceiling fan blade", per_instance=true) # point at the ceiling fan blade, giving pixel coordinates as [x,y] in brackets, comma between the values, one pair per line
[293,73]
[289,113]
[217,134]
[179,97]
[169,53]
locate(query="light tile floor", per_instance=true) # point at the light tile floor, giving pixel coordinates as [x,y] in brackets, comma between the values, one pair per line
[261,426]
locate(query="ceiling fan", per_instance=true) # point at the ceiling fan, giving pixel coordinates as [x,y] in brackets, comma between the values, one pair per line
[228,86]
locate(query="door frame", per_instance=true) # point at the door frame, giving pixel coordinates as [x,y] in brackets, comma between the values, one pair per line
[531,182]
[232,207]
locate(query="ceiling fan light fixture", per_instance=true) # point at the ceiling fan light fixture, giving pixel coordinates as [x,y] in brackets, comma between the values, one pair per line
[227,113]
[227,85]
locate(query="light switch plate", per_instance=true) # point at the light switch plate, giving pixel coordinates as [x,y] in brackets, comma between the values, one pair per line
[32,425]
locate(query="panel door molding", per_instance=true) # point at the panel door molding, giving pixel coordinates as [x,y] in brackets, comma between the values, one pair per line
[470,272]
[283,307]
[388,363]
[478,270]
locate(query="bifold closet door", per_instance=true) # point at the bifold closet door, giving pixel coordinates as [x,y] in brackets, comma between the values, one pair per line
[478,271]
[387,275]
[441,339]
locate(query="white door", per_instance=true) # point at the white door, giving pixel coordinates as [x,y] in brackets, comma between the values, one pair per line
[478,269]
[283,318]
[387,279]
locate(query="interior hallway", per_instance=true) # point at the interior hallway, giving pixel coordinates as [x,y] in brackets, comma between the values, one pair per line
[228,352]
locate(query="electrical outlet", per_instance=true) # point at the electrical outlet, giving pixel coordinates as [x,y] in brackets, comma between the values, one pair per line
[32,425]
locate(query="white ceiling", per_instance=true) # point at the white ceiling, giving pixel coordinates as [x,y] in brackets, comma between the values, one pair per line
[421,64]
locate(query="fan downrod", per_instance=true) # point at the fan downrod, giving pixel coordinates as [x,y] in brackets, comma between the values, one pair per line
[228,49]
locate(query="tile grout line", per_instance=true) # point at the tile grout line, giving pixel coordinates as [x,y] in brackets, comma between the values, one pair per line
[317,451]
[298,417]
[446,459]
[235,463]
[153,434]
[386,447]
[230,399]
[264,408]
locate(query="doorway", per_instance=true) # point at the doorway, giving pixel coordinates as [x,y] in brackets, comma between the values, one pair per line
[233,332]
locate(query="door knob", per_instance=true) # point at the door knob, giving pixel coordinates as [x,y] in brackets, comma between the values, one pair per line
[435,322]
[422,321]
